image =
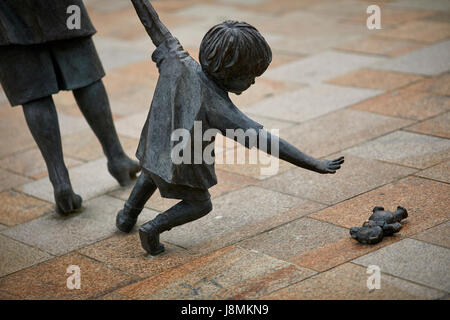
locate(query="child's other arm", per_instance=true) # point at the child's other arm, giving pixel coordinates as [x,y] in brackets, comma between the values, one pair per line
[149,18]
[289,153]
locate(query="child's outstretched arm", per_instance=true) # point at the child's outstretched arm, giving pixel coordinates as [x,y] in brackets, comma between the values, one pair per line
[291,154]
[150,19]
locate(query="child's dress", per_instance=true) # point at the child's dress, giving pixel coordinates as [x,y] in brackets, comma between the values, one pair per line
[184,94]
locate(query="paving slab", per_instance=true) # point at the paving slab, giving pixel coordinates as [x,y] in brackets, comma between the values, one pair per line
[439,235]
[276,7]
[262,89]
[249,2]
[115,53]
[438,126]
[407,104]
[393,16]
[15,133]
[439,16]
[112,296]
[251,163]
[124,252]
[85,146]
[59,235]
[329,37]
[48,280]
[356,176]
[131,126]
[419,30]
[7,296]
[217,13]
[295,24]
[437,85]
[15,256]
[341,9]
[381,46]
[349,282]
[69,124]
[17,208]
[338,252]
[417,195]
[418,4]
[301,209]
[295,238]
[65,102]
[88,180]
[131,87]
[124,23]
[156,202]
[405,148]
[208,15]
[321,67]
[100,5]
[431,60]
[132,77]
[3,98]
[413,260]
[375,79]
[136,101]
[226,182]
[309,103]
[440,172]
[270,123]
[229,273]
[10,180]
[339,130]
[30,163]
[234,217]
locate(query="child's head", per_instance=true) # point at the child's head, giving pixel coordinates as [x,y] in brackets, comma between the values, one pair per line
[234,54]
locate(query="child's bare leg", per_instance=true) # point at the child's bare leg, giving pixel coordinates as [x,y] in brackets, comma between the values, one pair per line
[183,212]
[142,191]
[94,104]
[43,123]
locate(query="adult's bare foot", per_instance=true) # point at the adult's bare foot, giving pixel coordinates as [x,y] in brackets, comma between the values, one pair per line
[67,201]
[123,169]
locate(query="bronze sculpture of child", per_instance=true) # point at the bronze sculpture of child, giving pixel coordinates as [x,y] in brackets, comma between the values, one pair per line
[232,55]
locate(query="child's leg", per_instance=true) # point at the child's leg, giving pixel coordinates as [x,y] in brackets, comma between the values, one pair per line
[94,104]
[183,212]
[142,191]
[43,123]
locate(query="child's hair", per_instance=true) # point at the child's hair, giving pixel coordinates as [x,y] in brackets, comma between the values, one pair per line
[233,49]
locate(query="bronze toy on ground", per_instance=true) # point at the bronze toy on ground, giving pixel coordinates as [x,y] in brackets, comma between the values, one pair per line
[381,223]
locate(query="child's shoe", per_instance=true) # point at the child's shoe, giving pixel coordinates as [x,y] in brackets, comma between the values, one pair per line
[127,218]
[149,235]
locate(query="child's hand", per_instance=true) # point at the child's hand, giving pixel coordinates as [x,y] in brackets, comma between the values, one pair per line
[329,166]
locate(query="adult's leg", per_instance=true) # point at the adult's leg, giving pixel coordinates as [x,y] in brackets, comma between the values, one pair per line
[43,123]
[183,212]
[142,191]
[94,104]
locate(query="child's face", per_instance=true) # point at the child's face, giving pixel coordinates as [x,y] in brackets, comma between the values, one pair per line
[238,85]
